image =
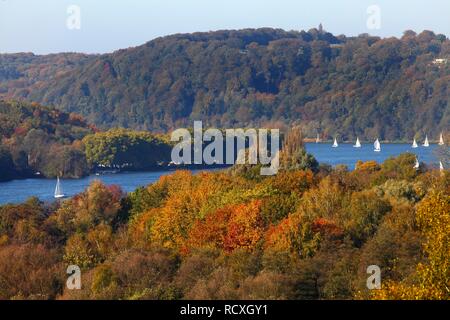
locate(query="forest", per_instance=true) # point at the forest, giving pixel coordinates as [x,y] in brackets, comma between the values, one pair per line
[309,232]
[366,86]
[37,141]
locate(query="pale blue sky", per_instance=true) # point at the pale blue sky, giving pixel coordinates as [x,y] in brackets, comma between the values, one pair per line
[39,26]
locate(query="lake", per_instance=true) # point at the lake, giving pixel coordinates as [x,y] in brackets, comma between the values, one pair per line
[348,155]
[17,191]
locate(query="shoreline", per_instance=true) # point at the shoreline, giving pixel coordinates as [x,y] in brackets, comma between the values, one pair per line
[310,140]
[167,168]
[99,174]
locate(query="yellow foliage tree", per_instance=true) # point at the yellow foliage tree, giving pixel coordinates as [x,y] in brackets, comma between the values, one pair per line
[187,196]
[432,277]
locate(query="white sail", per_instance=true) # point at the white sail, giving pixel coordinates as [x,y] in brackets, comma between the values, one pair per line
[357,144]
[426,143]
[441,166]
[441,140]
[417,165]
[58,190]
[317,139]
[335,144]
[377,146]
[414,145]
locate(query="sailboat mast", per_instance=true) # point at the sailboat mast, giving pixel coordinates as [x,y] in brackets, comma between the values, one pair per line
[57,186]
[426,143]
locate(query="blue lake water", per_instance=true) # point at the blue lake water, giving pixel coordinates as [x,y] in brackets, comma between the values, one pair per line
[19,190]
[348,155]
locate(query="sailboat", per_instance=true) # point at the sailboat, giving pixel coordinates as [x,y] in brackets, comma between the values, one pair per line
[426,143]
[417,165]
[317,139]
[335,144]
[58,190]
[441,166]
[357,144]
[441,140]
[377,146]
[414,145]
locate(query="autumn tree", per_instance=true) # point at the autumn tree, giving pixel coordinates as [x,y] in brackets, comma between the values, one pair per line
[432,277]
[238,226]
[98,204]
[35,274]
[293,155]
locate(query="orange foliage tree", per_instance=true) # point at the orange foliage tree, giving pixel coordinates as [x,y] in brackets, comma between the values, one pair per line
[187,196]
[230,228]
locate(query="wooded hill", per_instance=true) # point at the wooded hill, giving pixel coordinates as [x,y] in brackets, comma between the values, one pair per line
[36,141]
[390,88]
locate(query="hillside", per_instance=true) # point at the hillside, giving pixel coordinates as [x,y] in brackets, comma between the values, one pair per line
[37,141]
[366,86]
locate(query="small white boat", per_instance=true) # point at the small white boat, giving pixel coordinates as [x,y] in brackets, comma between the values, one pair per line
[377,146]
[417,164]
[335,144]
[426,143]
[58,190]
[317,138]
[441,166]
[414,145]
[357,144]
[174,163]
[441,140]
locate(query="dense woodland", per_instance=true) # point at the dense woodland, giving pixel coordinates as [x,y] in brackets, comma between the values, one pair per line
[37,141]
[306,233]
[309,232]
[121,148]
[332,85]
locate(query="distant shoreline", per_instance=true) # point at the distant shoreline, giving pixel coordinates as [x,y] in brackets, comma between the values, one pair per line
[167,168]
[191,167]
[313,140]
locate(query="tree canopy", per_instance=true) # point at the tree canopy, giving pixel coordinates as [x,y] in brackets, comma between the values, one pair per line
[215,235]
[348,86]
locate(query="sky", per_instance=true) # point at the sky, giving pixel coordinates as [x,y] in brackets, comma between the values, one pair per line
[99,26]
